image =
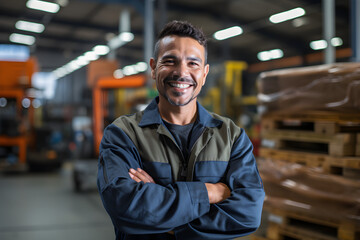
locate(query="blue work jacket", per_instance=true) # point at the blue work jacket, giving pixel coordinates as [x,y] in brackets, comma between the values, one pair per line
[220,152]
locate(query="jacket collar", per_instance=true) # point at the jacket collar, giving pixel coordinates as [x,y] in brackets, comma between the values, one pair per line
[152,116]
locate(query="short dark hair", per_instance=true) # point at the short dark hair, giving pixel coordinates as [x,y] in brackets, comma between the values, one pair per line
[181,29]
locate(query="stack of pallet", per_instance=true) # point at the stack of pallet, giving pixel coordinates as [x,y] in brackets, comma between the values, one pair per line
[310,153]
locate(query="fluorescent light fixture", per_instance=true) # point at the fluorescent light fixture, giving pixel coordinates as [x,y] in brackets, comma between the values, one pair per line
[126,36]
[101,50]
[287,15]
[276,53]
[91,56]
[270,55]
[43,6]
[120,40]
[129,70]
[82,61]
[21,38]
[30,26]
[322,44]
[118,73]
[141,66]
[318,44]
[264,56]
[336,42]
[228,33]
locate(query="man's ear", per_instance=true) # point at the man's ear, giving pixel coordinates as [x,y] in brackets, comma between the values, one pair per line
[206,71]
[153,67]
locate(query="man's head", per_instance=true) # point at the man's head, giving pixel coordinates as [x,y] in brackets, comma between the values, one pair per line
[179,65]
[181,29]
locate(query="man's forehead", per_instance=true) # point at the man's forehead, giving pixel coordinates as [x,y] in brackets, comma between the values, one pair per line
[174,42]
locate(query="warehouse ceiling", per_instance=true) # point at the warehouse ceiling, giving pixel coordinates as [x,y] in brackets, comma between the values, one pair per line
[79,25]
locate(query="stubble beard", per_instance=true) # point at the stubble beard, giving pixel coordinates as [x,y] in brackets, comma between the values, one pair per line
[178,94]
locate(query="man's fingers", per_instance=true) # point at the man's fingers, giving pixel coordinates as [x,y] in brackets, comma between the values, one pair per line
[135,178]
[140,176]
[150,179]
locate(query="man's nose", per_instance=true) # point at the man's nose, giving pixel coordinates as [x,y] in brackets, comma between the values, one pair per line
[182,69]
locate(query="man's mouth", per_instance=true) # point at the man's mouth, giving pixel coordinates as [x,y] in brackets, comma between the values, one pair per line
[179,85]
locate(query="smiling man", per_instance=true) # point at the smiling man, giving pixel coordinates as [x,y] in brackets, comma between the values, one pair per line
[174,170]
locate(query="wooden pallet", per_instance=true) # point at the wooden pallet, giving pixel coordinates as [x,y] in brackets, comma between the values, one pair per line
[291,225]
[339,144]
[343,166]
[327,123]
[357,147]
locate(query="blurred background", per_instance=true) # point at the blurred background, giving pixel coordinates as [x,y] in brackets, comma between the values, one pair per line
[287,71]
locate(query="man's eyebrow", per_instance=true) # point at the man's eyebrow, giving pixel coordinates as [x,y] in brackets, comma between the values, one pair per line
[194,59]
[168,56]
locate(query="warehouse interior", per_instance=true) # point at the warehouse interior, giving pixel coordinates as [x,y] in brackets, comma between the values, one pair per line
[286,71]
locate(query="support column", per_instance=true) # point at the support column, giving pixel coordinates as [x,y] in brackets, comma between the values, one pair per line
[355,31]
[329,29]
[148,35]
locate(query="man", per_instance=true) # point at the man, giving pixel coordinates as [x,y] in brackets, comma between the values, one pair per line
[174,170]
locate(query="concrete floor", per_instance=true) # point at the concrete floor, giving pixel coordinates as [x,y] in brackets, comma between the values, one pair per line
[43,206]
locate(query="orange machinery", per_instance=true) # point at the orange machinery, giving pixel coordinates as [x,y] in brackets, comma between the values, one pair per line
[15,78]
[99,98]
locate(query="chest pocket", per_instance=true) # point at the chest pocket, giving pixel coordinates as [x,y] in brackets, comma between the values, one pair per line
[160,172]
[210,171]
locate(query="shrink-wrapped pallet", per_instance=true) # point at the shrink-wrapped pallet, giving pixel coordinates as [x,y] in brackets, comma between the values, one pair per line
[329,87]
[296,188]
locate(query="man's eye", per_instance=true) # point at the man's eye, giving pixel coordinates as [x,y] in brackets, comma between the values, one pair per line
[168,61]
[193,64]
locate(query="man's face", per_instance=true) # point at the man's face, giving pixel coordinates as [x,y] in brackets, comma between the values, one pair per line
[180,70]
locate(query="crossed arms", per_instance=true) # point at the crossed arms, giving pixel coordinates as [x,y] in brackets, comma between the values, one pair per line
[217,192]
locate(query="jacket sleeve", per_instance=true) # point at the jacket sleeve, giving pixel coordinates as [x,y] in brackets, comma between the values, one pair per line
[240,214]
[143,208]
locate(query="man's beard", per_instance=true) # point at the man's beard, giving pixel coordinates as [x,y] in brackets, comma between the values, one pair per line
[179,104]
[178,94]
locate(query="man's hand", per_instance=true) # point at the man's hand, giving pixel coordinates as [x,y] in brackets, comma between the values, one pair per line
[140,175]
[217,192]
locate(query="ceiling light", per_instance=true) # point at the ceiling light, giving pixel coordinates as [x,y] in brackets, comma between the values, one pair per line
[82,60]
[118,73]
[126,36]
[276,53]
[101,49]
[336,42]
[91,56]
[43,6]
[228,33]
[141,66]
[264,56]
[129,70]
[30,26]
[21,38]
[120,40]
[287,15]
[322,44]
[318,44]
[271,54]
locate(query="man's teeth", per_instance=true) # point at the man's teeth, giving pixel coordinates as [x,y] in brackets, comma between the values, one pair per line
[179,85]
